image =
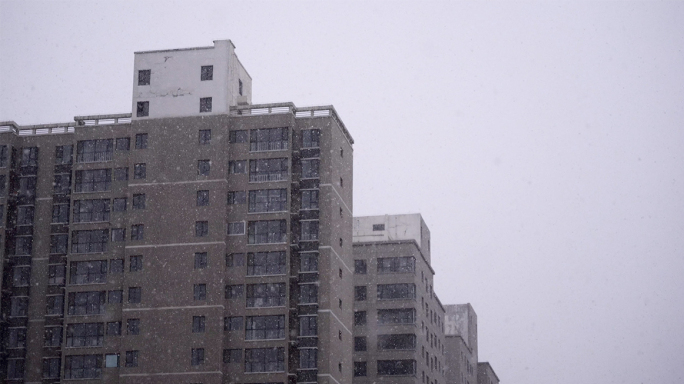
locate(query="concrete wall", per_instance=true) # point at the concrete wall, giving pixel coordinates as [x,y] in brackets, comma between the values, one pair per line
[397,227]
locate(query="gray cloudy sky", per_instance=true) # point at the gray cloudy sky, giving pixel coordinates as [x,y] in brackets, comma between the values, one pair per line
[543,142]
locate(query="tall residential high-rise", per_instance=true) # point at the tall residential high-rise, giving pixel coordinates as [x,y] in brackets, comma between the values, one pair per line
[460,327]
[398,319]
[198,239]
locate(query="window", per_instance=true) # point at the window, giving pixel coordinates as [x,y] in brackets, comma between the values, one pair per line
[265,295]
[265,360]
[237,166]
[232,355]
[308,294]
[140,171]
[266,263]
[118,235]
[396,264]
[52,336]
[19,306]
[310,168]
[55,305]
[25,215]
[360,318]
[93,241]
[62,184]
[132,359]
[308,326]
[197,356]
[119,204]
[265,327]
[198,324]
[23,245]
[234,291]
[123,143]
[21,276]
[203,167]
[134,295]
[239,136]
[268,200]
[4,155]
[396,291]
[60,213]
[121,174]
[144,76]
[16,338]
[137,231]
[200,260]
[311,138]
[236,197]
[360,293]
[15,368]
[397,316]
[95,180]
[91,151]
[143,109]
[27,186]
[233,323]
[360,369]
[29,157]
[240,87]
[396,367]
[268,139]
[136,263]
[235,260]
[114,328]
[360,267]
[309,262]
[309,230]
[83,367]
[207,73]
[115,297]
[90,211]
[262,170]
[56,274]
[85,335]
[133,327]
[111,360]
[199,291]
[360,344]
[205,104]
[378,227]
[88,272]
[203,198]
[2,184]
[267,232]
[86,303]
[205,136]
[308,358]
[51,368]
[397,341]
[116,266]
[310,199]
[237,228]
[201,228]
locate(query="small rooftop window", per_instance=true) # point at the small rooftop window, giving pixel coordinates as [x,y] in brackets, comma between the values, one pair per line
[207,72]
[144,76]
[378,227]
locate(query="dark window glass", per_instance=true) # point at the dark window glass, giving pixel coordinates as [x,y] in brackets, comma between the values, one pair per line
[234,291]
[86,303]
[396,264]
[268,200]
[60,213]
[311,138]
[119,204]
[240,136]
[203,167]
[21,276]
[29,157]
[19,306]
[237,228]
[360,267]
[265,327]
[360,369]
[96,180]
[237,197]
[56,274]
[23,245]
[397,341]
[199,291]
[232,355]
[378,227]
[202,198]
[360,318]
[83,367]
[143,109]
[88,272]
[310,199]
[237,166]
[91,151]
[308,358]
[396,291]
[308,326]
[123,143]
[118,234]
[15,368]
[309,230]
[197,356]
[240,87]
[198,324]
[85,335]
[265,295]
[396,367]
[397,316]
[360,293]
[265,263]
[52,337]
[268,139]
[116,266]
[309,262]
[133,327]
[25,215]
[140,171]
[93,241]
[132,358]
[360,344]
[121,174]
[134,295]
[115,297]
[308,294]
[200,260]
[62,184]
[201,228]
[205,136]
[144,76]
[55,305]
[205,104]
[64,154]
[310,168]
[4,155]
[235,260]
[265,232]
[114,328]
[16,338]
[27,186]
[139,201]
[207,73]
[136,263]
[232,323]
[137,232]
[265,360]
[140,140]
[89,211]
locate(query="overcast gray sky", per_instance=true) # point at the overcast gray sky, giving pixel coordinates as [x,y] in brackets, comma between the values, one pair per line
[543,142]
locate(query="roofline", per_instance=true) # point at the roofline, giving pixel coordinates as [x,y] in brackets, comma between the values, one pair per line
[388,242]
[490,367]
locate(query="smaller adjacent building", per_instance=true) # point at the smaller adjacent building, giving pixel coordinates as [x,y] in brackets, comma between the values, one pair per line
[460,324]
[485,374]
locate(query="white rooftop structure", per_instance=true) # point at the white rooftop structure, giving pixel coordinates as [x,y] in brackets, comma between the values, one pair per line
[393,228]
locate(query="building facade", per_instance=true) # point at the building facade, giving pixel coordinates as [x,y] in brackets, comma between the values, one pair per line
[198,239]
[461,344]
[398,319]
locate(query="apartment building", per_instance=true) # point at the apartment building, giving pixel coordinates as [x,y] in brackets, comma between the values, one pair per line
[486,374]
[398,318]
[460,327]
[199,239]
